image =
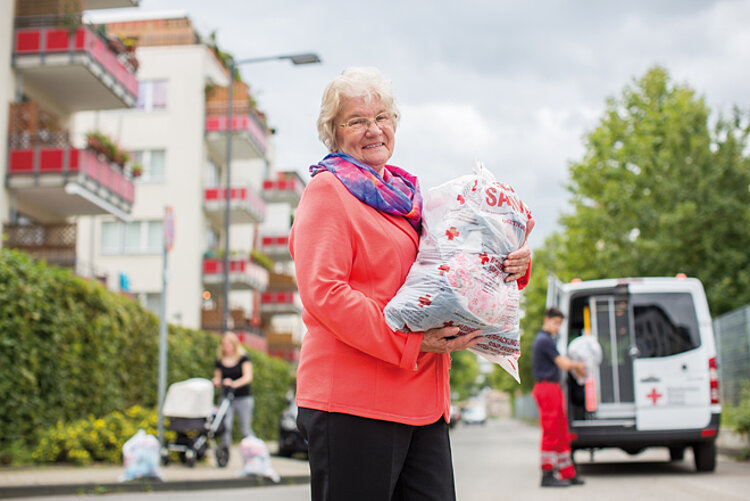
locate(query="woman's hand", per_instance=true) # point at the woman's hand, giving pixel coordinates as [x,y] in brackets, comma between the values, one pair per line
[228,383]
[437,340]
[517,262]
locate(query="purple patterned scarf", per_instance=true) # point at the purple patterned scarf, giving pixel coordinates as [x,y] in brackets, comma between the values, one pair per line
[398,196]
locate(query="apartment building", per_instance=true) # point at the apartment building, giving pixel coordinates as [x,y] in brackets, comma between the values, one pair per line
[53,66]
[177,134]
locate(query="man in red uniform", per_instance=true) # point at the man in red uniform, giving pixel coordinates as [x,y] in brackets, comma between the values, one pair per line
[546,366]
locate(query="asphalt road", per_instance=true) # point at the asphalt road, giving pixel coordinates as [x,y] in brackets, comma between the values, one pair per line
[499,461]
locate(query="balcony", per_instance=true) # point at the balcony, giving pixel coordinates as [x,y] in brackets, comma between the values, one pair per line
[55,243]
[45,172]
[78,69]
[276,247]
[286,188]
[243,274]
[249,133]
[245,206]
[281,282]
[279,303]
[109,4]
[282,345]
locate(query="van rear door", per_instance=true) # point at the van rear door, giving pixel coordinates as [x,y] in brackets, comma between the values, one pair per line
[672,388]
[610,326]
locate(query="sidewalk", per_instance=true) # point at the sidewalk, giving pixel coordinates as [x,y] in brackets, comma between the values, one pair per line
[100,479]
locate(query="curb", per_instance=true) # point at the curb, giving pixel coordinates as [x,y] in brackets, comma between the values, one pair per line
[25,491]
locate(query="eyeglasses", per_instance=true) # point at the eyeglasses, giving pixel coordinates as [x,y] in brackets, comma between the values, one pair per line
[384,120]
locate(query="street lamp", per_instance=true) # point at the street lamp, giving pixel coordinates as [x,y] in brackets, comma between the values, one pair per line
[296,59]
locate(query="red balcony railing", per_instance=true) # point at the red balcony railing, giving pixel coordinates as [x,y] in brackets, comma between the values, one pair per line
[280,302]
[47,42]
[243,274]
[56,166]
[245,125]
[276,246]
[245,205]
[286,188]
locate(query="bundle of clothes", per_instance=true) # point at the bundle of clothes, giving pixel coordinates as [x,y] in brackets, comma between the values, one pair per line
[469,226]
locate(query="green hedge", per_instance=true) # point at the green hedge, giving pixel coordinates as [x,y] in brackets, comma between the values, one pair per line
[69,349]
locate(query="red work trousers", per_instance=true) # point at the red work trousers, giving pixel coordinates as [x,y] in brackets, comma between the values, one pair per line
[554,421]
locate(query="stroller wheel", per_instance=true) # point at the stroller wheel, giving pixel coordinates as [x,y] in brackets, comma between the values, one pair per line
[164,456]
[222,456]
[190,458]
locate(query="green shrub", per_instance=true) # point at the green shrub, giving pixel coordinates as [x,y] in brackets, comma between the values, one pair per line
[738,417]
[70,349]
[95,439]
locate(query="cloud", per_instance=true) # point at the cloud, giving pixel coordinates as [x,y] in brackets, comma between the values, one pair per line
[516,84]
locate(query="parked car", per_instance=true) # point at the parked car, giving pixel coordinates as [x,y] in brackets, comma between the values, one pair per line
[291,440]
[474,414]
[657,384]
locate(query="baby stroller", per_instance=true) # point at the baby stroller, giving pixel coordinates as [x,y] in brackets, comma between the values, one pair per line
[189,407]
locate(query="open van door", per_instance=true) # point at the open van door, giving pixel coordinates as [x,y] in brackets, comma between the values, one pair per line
[610,326]
[554,291]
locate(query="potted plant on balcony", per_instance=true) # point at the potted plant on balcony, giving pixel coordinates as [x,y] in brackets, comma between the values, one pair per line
[101,144]
[136,170]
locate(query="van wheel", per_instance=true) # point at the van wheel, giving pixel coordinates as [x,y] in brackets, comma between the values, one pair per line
[705,456]
[676,453]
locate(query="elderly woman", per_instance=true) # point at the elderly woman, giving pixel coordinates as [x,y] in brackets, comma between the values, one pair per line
[373,403]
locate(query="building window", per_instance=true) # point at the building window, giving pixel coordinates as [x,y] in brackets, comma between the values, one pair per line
[152,95]
[138,237]
[152,302]
[153,163]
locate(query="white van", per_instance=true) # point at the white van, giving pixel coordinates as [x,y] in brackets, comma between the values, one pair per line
[657,385]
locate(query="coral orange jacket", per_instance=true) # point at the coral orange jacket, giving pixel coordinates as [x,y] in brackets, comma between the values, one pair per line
[350,260]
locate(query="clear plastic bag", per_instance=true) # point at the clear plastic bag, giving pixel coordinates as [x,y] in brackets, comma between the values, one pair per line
[256,459]
[585,349]
[469,226]
[141,456]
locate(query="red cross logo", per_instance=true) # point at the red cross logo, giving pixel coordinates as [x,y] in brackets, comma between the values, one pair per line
[444,268]
[654,395]
[451,233]
[461,199]
[425,301]
[484,257]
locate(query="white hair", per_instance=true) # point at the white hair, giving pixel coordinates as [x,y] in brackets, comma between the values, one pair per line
[355,81]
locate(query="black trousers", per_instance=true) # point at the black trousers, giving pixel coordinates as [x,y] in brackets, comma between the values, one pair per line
[359,459]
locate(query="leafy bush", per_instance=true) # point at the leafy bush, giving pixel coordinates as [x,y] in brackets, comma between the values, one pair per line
[95,439]
[69,349]
[738,417]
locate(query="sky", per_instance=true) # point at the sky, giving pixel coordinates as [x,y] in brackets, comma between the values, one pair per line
[514,84]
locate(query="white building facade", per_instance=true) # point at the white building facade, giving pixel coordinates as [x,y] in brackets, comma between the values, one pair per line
[178,133]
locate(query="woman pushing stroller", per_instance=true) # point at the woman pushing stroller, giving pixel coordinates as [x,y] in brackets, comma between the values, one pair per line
[234,371]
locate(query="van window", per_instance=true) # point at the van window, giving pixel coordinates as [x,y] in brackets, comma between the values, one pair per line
[665,324]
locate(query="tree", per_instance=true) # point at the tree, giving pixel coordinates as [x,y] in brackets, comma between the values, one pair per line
[660,192]
[464,373]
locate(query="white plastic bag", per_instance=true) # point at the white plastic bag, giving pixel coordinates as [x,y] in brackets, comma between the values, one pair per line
[141,457]
[469,226]
[256,459]
[585,349]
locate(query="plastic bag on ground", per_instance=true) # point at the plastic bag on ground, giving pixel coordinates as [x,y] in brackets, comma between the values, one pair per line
[141,457]
[469,227]
[585,349]
[256,459]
